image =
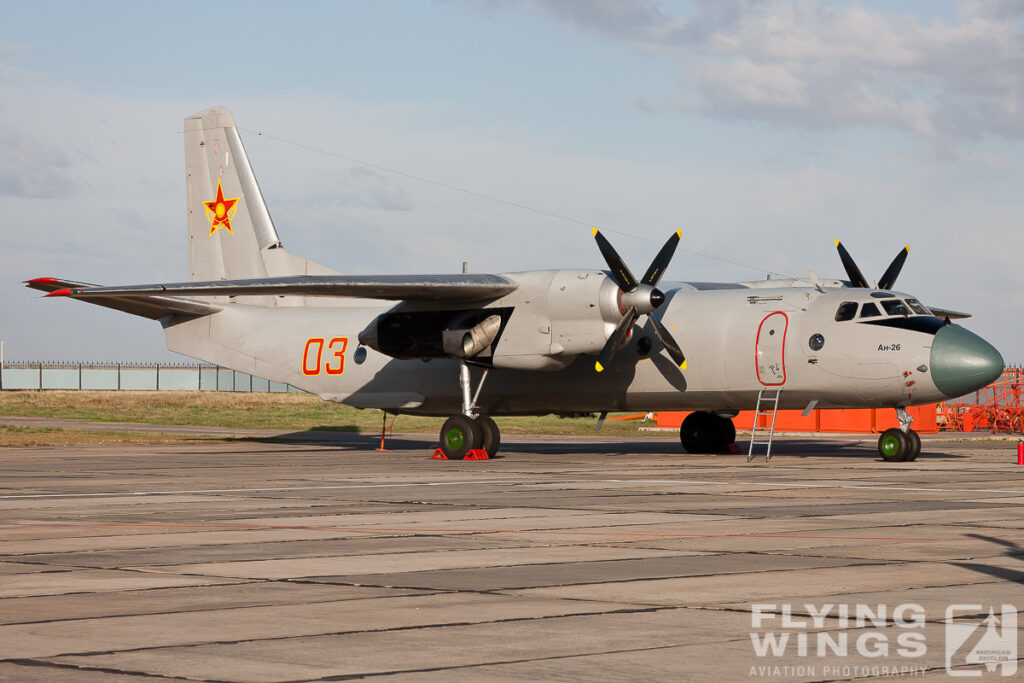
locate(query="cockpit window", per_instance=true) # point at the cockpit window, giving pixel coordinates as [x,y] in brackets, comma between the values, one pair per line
[870,311]
[847,310]
[895,307]
[917,307]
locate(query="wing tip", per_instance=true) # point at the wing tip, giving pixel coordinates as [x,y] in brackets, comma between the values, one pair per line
[40,281]
[60,292]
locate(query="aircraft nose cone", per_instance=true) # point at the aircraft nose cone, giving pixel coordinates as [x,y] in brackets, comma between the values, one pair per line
[963,362]
[657,298]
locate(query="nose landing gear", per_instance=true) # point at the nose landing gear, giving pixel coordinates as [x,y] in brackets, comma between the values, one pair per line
[900,444]
[469,431]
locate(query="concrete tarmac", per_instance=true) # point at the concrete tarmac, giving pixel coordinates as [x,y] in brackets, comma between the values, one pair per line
[563,559]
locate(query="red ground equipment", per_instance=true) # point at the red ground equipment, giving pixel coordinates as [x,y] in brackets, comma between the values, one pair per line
[999,407]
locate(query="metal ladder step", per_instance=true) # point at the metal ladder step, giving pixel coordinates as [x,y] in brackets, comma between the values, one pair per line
[767,405]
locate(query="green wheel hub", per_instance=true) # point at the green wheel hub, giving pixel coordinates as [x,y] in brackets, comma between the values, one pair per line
[454,438]
[890,445]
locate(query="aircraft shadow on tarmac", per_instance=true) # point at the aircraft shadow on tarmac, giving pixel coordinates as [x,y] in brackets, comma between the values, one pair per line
[1013,550]
[812,448]
[347,438]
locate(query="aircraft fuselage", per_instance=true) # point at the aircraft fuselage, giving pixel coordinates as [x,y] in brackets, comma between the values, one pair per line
[738,338]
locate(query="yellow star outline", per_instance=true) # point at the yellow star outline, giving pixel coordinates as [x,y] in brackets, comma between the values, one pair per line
[220,211]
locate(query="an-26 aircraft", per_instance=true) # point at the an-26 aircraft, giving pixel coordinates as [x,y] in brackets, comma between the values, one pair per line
[548,341]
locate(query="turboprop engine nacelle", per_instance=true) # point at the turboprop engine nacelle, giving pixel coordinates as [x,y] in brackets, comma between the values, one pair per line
[553,317]
[558,315]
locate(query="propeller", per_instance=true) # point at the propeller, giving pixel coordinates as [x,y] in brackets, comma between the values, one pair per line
[638,298]
[857,278]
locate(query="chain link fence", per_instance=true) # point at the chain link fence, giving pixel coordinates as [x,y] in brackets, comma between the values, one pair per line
[74,375]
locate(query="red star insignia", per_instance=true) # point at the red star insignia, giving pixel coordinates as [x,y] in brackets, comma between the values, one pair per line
[220,211]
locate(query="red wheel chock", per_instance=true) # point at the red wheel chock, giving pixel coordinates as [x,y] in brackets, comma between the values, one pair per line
[475,454]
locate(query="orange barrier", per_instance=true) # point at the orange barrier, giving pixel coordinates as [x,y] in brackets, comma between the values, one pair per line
[857,421]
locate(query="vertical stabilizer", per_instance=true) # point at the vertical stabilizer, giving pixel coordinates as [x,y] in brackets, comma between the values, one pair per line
[230,234]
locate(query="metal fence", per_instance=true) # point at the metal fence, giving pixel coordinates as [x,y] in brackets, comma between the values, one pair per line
[131,377]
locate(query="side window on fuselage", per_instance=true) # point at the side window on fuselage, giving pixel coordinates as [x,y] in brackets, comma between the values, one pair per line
[870,311]
[846,311]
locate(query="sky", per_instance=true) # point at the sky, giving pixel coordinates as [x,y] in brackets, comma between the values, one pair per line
[762,130]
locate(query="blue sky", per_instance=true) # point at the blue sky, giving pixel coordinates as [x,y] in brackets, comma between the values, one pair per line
[762,129]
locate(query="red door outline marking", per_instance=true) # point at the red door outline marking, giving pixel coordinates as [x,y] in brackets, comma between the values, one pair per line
[757,346]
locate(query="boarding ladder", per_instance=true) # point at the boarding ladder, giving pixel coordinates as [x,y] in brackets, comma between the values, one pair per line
[767,406]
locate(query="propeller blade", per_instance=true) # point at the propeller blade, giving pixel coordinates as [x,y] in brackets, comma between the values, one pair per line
[668,342]
[857,278]
[620,273]
[893,271]
[615,339]
[660,262]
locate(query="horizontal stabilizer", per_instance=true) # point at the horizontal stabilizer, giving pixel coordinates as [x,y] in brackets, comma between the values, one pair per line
[389,287]
[148,306]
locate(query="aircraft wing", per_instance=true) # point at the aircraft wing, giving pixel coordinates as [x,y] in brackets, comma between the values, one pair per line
[148,306]
[463,287]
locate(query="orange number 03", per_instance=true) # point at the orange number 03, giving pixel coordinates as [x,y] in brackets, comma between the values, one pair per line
[312,356]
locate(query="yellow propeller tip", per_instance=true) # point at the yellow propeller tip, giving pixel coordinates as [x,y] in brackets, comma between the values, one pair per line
[598,366]
[837,242]
[907,248]
[683,366]
[595,231]
[679,233]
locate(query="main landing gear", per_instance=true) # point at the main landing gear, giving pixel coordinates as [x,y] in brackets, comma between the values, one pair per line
[706,432]
[469,431]
[900,444]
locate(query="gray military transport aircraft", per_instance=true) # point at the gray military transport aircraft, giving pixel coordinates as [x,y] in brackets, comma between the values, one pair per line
[550,341]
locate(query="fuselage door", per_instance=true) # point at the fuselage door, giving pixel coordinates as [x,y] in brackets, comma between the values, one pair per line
[770,349]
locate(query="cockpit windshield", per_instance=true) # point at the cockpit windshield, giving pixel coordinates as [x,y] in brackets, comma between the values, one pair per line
[917,307]
[870,311]
[891,307]
[895,307]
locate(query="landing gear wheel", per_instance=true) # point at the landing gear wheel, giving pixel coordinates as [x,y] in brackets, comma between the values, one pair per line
[728,430]
[915,445]
[459,435]
[894,445]
[490,436]
[702,432]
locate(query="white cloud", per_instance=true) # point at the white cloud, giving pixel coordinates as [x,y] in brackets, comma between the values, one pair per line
[30,167]
[814,64]
[743,83]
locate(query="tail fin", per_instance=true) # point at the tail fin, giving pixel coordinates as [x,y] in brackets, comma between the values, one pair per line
[230,233]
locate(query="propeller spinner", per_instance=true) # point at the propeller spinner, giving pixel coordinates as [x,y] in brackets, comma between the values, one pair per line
[857,278]
[638,298]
